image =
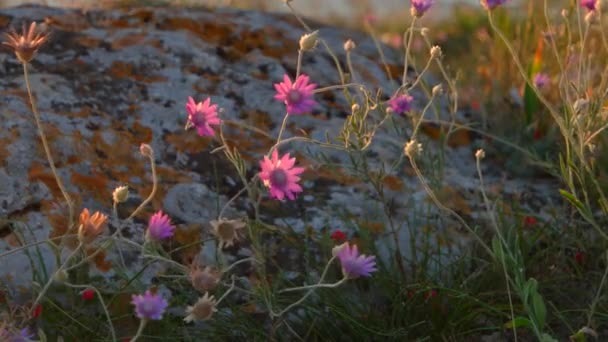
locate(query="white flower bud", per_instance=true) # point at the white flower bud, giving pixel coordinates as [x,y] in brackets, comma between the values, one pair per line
[309,41]
[437,90]
[412,149]
[120,194]
[436,52]
[480,154]
[349,45]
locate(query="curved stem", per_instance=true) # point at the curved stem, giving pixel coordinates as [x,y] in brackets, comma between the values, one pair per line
[140,330]
[154,187]
[47,150]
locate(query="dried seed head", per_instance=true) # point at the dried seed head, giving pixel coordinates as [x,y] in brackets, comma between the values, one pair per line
[120,194]
[412,149]
[309,41]
[437,90]
[436,52]
[202,310]
[27,43]
[355,108]
[480,154]
[424,31]
[227,231]
[349,45]
[205,280]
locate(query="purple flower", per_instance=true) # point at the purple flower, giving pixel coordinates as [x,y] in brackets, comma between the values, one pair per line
[400,104]
[159,227]
[541,79]
[149,306]
[280,176]
[202,115]
[491,4]
[24,335]
[297,96]
[590,4]
[353,264]
[419,7]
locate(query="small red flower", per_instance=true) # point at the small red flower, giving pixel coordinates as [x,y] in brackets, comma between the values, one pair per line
[431,294]
[580,257]
[530,221]
[88,294]
[338,236]
[37,311]
[537,135]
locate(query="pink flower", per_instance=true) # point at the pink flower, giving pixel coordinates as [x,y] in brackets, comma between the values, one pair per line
[541,79]
[297,96]
[281,176]
[590,4]
[353,264]
[400,104]
[202,115]
[419,7]
[149,306]
[491,4]
[159,227]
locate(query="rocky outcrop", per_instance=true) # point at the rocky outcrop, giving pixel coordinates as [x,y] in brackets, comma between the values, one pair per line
[109,80]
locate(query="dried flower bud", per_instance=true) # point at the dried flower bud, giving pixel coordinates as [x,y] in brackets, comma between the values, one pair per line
[349,45]
[355,108]
[412,149]
[146,150]
[424,31]
[227,231]
[480,154]
[120,194]
[565,13]
[61,276]
[437,90]
[309,41]
[436,52]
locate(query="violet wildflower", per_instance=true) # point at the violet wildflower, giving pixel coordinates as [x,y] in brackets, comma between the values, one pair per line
[491,4]
[280,176]
[149,306]
[541,80]
[354,265]
[400,104]
[591,5]
[22,336]
[419,7]
[159,227]
[202,115]
[297,96]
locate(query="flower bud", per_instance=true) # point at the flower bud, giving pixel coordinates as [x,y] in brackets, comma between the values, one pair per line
[309,41]
[424,31]
[336,250]
[349,45]
[355,107]
[120,194]
[480,154]
[565,13]
[146,150]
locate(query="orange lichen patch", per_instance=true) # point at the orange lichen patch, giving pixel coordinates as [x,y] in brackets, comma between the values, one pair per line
[99,260]
[12,240]
[396,71]
[120,69]
[42,173]
[208,31]
[372,226]
[143,133]
[95,183]
[4,143]
[461,137]
[175,176]
[4,21]
[454,200]
[88,42]
[338,175]
[260,120]
[393,183]
[143,14]
[189,235]
[71,21]
[249,40]
[127,41]
[188,142]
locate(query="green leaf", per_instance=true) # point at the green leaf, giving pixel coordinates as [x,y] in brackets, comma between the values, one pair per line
[572,199]
[518,322]
[540,311]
